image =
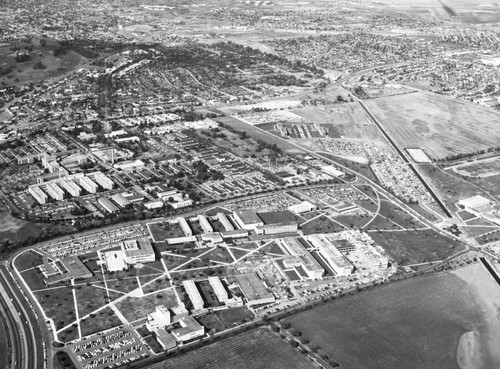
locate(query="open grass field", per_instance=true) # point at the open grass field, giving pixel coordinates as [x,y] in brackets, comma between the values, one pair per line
[256,349]
[449,187]
[416,324]
[440,125]
[134,308]
[488,237]
[58,304]
[321,224]
[477,231]
[411,247]
[484,168]
[24,72]
[488,185]
[28,260]
[102,320]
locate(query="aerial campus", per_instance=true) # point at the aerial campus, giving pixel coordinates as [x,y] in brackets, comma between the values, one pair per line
[249,184]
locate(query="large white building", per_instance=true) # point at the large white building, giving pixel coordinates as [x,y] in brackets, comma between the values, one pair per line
[138,251]
[205,224]
[474,202]
[102,180]
[334,258]
[70,187]
[38,194]
[88,184]
[247,219]
[54,191]
[225,222]
[189,329]
[219,289]
[194,294]
[186,229]
[312,268]
[160,318]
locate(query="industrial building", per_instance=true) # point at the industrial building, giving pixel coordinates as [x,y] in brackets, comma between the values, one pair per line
[205,224]
[310,265]
[54,191]
[194,294]
[89,185]
[186,229]
[254,289]
[228,226]
[474,202]
[138,251]
[334,258]
[247,219]
[107,204]
[38,194]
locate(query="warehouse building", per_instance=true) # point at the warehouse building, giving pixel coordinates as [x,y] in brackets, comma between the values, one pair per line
[303,207]
[194,294]
[107,204]
[310,265]
[138,251]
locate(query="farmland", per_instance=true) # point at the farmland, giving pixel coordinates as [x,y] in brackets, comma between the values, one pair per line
[439,125]
[412,324]
[484,168]
[259,348]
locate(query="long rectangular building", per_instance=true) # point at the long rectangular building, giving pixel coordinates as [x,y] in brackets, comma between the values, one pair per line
[54,191]
[103,181]
[186,229]
[205,224]
[38,194]
[88,184]
[312,268]
[225,222]
[339,264]
[254,289]
[194,294]
[219,289]
[70,187]
[107,204]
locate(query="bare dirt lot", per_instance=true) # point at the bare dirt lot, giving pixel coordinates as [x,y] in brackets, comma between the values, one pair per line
[440,125]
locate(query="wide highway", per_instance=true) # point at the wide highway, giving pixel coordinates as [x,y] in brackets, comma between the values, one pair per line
[27,346]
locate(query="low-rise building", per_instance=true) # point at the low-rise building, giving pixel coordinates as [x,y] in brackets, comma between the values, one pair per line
[310,265]
[189,329]
[247,219]
[138,251]
[194,294]
[107,204]
[254,290]
[186,229]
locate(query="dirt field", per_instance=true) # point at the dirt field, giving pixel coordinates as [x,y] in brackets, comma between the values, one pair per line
[256,349]
[416,323]
[440,125]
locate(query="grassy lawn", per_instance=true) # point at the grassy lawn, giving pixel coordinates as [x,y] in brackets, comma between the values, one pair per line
[353,221]
[273,248]
[102,320]
[69,334]
[487,238]
[321,225]
[212,323]
[239,253]
[477,231]
[28,259]
[134,308]
[411,247]
[34,279]
[219,254]
[157,285]
[398,215]
[89,299]
[234,316]
[58,304]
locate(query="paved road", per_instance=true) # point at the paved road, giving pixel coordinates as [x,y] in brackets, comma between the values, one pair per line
[31,346]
